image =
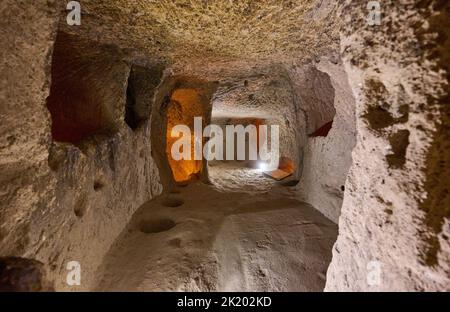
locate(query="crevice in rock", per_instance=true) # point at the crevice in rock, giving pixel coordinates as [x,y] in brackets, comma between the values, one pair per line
[323,131]
[399,143]
[141,86]
[81,206]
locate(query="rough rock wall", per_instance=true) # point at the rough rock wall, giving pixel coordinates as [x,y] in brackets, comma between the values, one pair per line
[394,228]
[212,30]
[325,96]
[315,95]
[62,202]
[27,37]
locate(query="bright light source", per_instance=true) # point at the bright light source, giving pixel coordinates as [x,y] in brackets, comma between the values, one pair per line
[262,166]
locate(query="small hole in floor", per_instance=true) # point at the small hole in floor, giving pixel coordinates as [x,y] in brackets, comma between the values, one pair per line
[342,188]
[172,201]
[156,226]
[78,212]
[98,185]
[80,207]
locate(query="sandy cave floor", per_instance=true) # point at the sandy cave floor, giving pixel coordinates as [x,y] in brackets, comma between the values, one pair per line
[234,176]
[222,237]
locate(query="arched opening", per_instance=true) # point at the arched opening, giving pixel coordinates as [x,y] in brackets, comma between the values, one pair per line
[178,101]
[185,104]
[131,115]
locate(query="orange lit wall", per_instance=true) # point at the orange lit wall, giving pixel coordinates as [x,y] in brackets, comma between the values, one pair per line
[185,104]
[286,164]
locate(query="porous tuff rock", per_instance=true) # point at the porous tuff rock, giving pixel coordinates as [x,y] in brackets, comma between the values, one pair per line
[325,95]
[395,214]
[64,202]
[180,30]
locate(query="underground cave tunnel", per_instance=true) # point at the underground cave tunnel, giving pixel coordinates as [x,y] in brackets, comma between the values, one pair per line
[356,174]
